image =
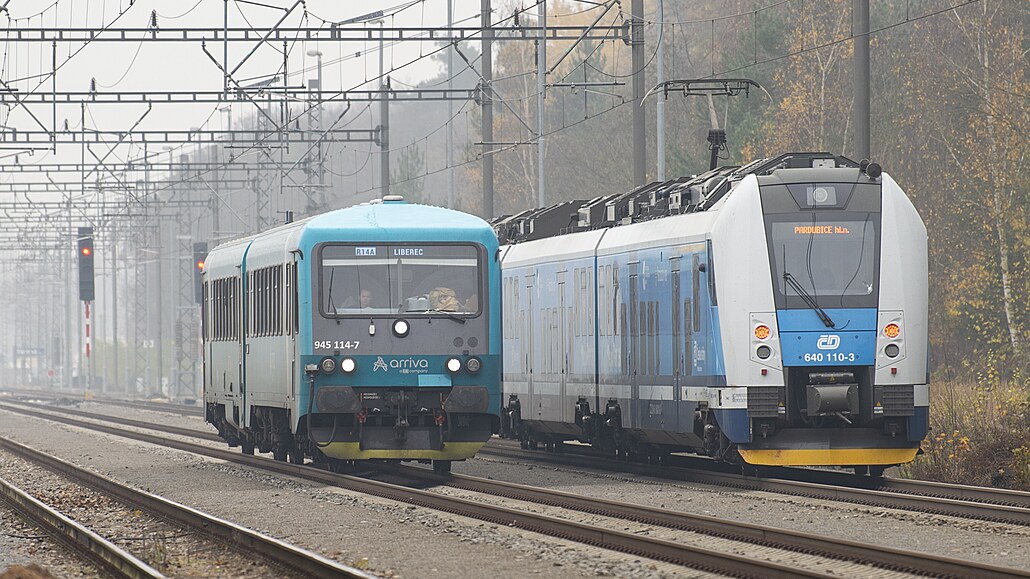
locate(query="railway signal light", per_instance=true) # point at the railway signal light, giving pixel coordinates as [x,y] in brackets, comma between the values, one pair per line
[199,255]
[84,242]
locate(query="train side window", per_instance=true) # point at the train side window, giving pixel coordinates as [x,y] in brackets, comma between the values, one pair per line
[224,307]
[279,301]
[263,316]
[288,325]
[211,333]
[217,310]
[642,339]
[248,306]
[296,299]
[652,336]
[262,307]
[555,342]
[622,328]
[259,306]
[253,303]
[712,294]
[695,295]
[273,302]
[518,307]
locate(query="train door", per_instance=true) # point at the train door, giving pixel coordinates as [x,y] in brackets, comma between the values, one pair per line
[237,323]
[677,331]
[562,352]
[530,344]
[635,349]
[699,339]
[291,321]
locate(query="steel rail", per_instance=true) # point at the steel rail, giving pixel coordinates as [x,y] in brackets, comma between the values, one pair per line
[852,551]
[168,407]
[663,550]
[75,536]
[279,553]
[176,430]
[969,502]
[871,497]
[925,488]
[888,558]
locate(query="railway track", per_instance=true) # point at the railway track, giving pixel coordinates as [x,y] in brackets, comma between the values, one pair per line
[278,554]
[871,557]
[75,536]
[999,505]
[996,505]
[169,407]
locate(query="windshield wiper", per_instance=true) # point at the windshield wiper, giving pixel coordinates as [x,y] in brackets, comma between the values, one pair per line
[448,314]
[332,308]
[808,299]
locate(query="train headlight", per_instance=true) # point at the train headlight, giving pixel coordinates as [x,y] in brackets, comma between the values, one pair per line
[892,350]
[762,331]
[892,330]
[401,328]
[474,365]
[764,352]
[348,365]
[327,365]
[453,365]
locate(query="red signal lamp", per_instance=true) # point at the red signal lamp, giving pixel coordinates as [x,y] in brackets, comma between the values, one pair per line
[200,264]
[86,251]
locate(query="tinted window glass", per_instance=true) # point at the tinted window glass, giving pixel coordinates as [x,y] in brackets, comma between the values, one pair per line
[831,256]
[408,279]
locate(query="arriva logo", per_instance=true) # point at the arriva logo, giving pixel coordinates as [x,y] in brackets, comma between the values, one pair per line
[405,365]
[409,363]
[828,342]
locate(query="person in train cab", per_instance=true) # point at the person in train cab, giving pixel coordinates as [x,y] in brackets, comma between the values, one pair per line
[444,299]
[365,299]
[472,304]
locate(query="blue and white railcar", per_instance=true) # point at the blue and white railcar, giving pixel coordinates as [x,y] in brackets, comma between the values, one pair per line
[371,332]
[775,311]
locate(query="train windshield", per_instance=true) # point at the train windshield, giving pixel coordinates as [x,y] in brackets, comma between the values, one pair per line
[409,279]
[832,256]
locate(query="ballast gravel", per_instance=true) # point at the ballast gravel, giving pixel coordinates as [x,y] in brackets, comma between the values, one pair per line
[172,550]
[994,543]
[380,536]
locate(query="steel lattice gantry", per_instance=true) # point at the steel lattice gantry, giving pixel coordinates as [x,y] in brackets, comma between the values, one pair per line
[333,33]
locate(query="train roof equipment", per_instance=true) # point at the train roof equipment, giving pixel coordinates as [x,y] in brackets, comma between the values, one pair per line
[655,200]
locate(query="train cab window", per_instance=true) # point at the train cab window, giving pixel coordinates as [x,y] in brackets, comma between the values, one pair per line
[416,280]
[830,255]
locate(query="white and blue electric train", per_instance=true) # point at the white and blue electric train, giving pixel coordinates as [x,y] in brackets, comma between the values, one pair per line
[774,312]
[371,332]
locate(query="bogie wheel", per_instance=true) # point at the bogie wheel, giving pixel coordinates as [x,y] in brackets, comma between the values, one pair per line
[861,470]
[296,456]
[876,471]
[442,466]
[247,447]
[279,454]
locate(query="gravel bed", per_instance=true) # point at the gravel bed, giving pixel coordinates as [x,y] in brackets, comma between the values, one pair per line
[173,550]
[383,537]
[995,543]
